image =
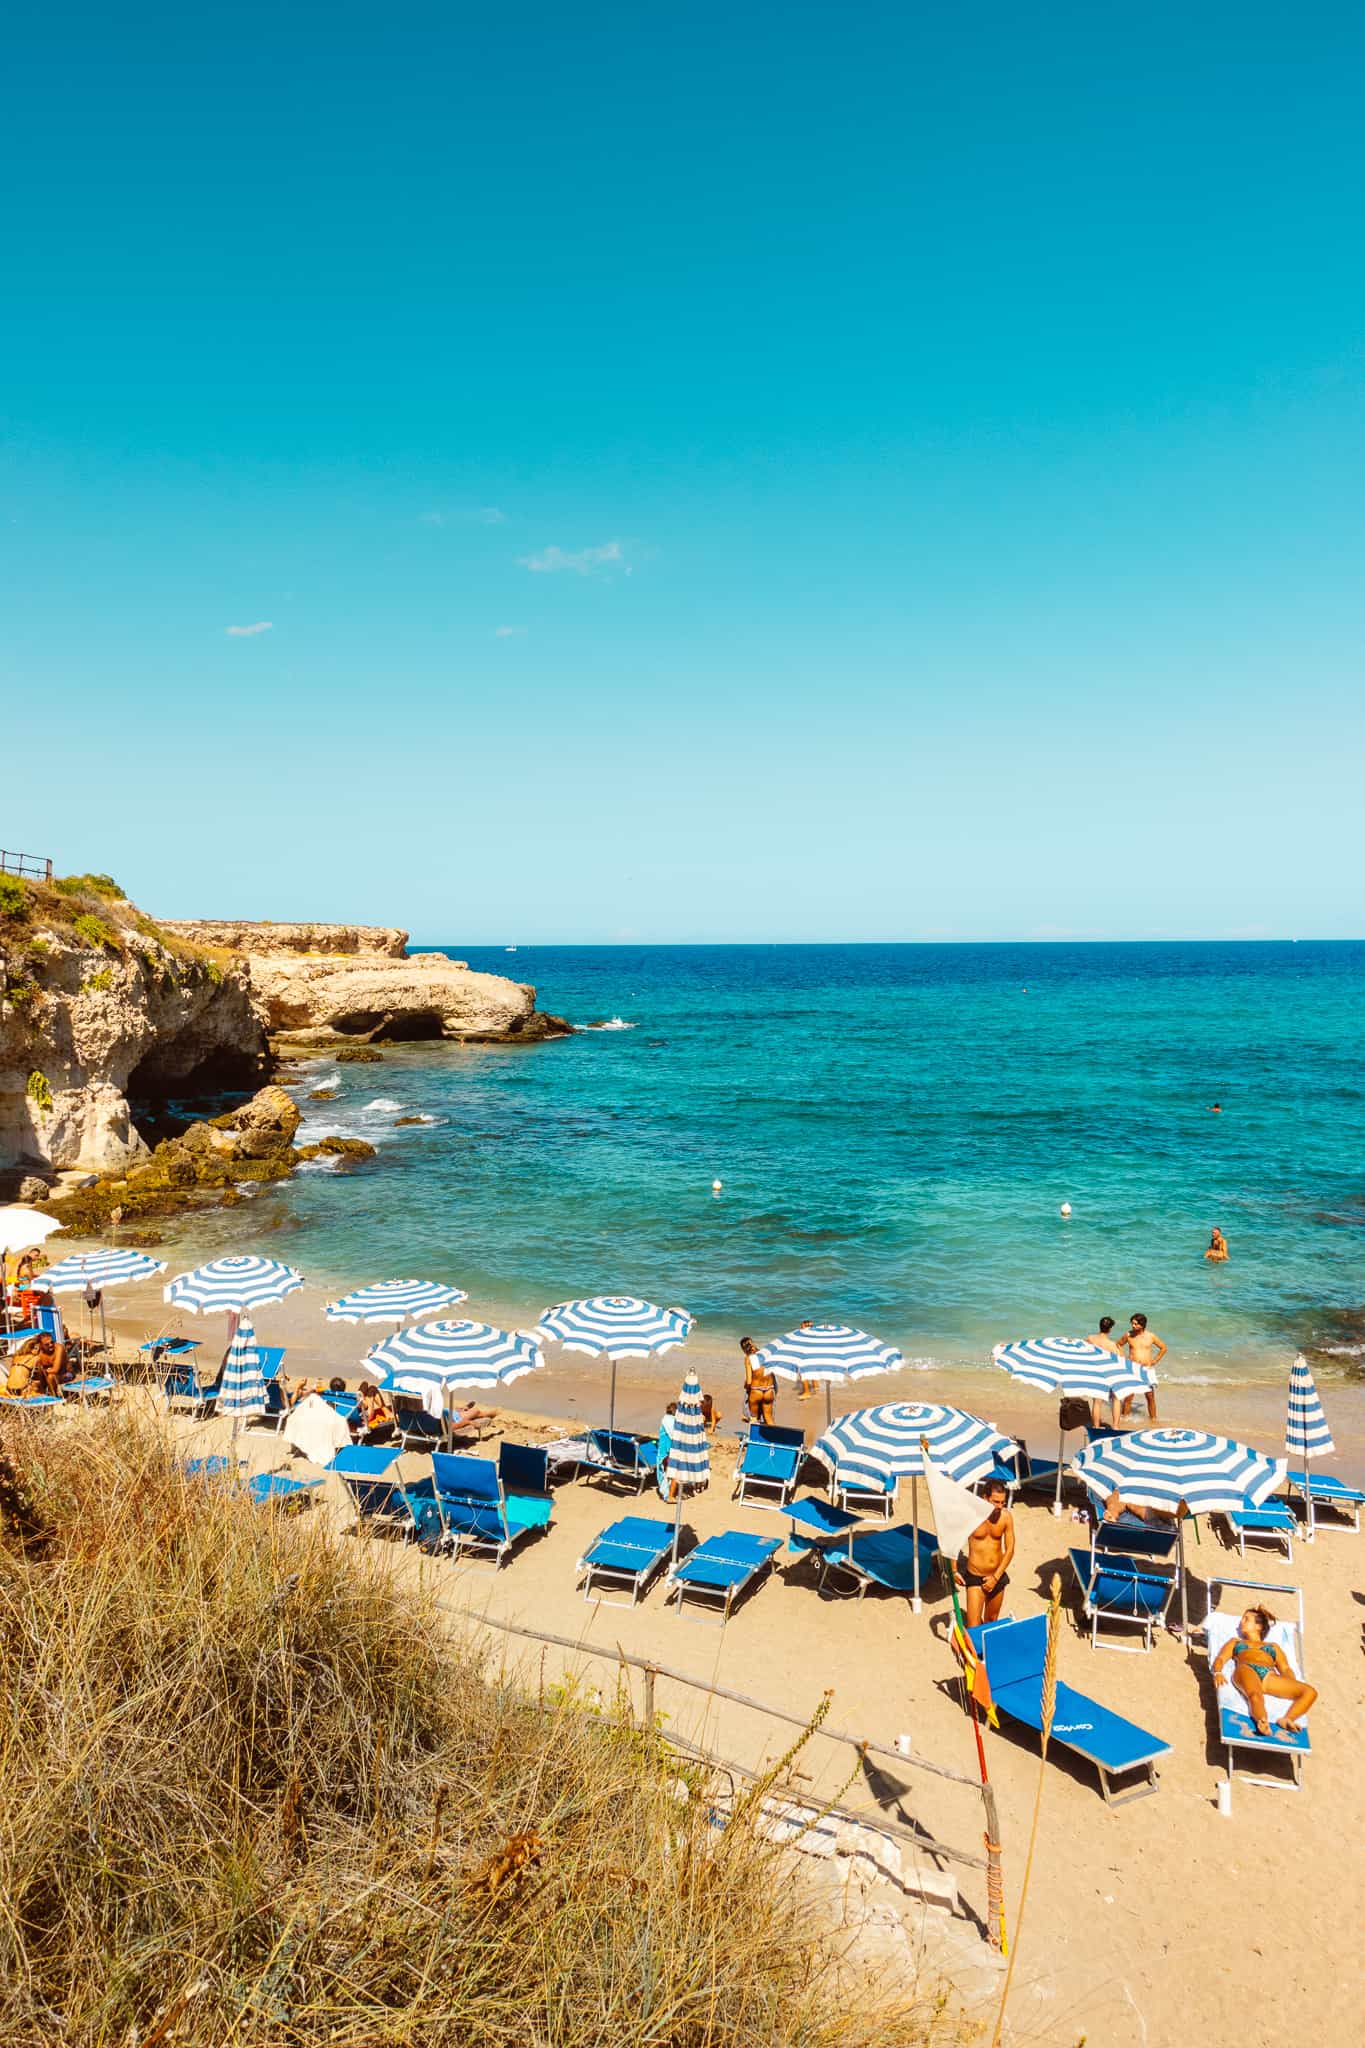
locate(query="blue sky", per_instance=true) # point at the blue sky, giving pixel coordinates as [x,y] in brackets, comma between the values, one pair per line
[715,473]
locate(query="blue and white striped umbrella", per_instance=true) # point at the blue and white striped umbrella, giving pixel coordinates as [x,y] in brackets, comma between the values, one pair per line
[828,1351]
[616,1326]
[874,1446]
[242,1387]
[1165,1468]
[1306,1434]
[1070,1365]
[432,1358]
[393,1301]
[100,1269]
[689,1453]
[232,1284]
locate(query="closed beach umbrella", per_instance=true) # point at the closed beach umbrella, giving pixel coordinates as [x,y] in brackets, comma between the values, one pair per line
[432,1358]
[1306,1434]
[830,1352]
[689,1452]
[1069,1366]
[393,1301]
[874,1446]
[242,1383]
[615,1326]
[232,1285]
[1179,1470]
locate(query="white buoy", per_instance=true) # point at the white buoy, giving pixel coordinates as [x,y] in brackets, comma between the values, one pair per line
[716,1186]
[1066,1208]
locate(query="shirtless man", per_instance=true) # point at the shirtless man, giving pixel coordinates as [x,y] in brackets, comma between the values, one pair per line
[1218,1247]
[1145,1349]
[984,1571]
[1106,1343]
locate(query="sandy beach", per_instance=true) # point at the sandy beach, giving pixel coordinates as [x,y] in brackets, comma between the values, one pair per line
[1155,1923]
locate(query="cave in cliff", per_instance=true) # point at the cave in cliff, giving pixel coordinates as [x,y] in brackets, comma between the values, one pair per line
[410,1024]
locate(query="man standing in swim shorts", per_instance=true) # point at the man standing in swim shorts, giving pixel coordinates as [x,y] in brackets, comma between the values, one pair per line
[984,1571]
[1145,1350]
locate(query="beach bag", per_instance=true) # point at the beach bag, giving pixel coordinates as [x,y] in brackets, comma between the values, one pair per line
[1073,1413]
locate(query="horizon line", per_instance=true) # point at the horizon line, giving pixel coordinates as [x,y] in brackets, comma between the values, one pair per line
[1165,939]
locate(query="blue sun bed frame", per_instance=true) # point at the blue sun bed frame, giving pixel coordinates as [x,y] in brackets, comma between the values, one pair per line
[485,1509]
[770,1462]
[1126,1577]
[627,1553]
[1014,1653]
[720,1569]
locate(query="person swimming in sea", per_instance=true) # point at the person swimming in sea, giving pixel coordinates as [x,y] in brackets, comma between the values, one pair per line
[1218,1247]
[1260,1669]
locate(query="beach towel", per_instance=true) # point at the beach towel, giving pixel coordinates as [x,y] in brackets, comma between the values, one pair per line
[316,1430]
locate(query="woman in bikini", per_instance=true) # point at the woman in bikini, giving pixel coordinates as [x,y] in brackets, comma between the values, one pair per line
[760,1385]
[1260,1668]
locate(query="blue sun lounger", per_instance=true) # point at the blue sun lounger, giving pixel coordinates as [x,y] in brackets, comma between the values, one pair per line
[183,1384]
[1327,1492]
[481,1516]
[265,1489]
[1236,1729]
[1014,1653]
[1023,1473]
[31,1404]
[379,1496]
[1272,1521]
[881,1557]
[720,1568]
[627,1553]
[1124,1577]
[616,1454]
[770,1462]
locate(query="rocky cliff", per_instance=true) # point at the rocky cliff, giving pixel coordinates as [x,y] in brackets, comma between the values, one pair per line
[263,940]
[99,1005]
[314,988]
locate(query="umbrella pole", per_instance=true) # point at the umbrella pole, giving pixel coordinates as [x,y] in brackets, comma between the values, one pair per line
[1308,1495]
[829,1406]
[611,1405]
[1057,1498]
[916,1603]
[1184,1589]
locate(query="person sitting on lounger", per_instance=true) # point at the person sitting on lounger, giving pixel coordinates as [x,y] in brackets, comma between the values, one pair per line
[984,1571]
[47,1364]
[1260,1668]
[376,1420]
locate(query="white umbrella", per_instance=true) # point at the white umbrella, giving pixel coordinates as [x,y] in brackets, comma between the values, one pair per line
[22,1227]
[241,1383]
[1069,1366]
[689,1448]
[830,1352]
[1306,1431]
[616,1326]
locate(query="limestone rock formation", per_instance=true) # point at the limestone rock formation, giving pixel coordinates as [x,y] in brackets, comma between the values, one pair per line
[97,1007]
[319,984]
[253,1142]
[239,935]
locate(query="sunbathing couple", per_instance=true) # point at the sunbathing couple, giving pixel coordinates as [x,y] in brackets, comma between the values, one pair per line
[1260,1670]
[40,1368]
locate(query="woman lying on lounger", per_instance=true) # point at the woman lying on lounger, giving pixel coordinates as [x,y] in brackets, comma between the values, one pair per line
[1260,1667]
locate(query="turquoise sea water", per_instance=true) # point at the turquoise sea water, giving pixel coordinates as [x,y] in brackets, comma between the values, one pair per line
[896,1128]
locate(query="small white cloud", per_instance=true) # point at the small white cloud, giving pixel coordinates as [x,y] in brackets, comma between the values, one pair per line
[490,515]
[508,632]
[581,561]
[249,632]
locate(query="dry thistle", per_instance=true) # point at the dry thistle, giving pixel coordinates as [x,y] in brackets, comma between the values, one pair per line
[519,1854]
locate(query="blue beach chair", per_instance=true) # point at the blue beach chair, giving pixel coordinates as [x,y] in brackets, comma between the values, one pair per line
[815,1521]
[1014,1653]
[31,1404]
[183,1385]
[770,1462]
[264,1489]
[1236,1729]
[1125,1577]
[1273,1522]
[881,1557]
[720,1568]
[380,1499]
[417,1431]
[865,1498]
[616,1454]
[627,1553]
[480,1516]
[1327,1492]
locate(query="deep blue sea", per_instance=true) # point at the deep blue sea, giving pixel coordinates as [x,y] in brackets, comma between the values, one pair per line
[896,1128]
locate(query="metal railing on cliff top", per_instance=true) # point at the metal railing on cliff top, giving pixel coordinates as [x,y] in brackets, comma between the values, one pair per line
[33,865]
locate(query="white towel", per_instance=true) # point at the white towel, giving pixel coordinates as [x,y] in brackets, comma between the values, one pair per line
[316,1430]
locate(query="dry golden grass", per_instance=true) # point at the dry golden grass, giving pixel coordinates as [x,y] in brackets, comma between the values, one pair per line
[251,1792]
